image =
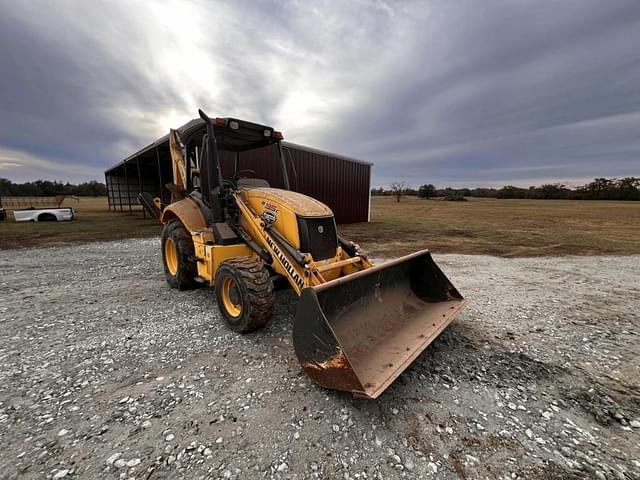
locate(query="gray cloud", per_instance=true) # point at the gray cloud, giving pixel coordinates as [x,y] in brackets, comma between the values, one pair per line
[450,93]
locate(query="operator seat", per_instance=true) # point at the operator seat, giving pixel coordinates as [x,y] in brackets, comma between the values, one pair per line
[252,183]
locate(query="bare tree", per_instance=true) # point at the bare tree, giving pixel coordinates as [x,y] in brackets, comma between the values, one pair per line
[397,190]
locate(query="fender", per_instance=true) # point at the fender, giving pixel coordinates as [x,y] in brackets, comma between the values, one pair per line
[188,212]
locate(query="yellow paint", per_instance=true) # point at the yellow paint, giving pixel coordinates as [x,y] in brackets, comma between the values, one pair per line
[220,253]
[255,227]
[171,256]
[299,277]
[204,237]
[211,256]
[303,205]
[230,298]
[285,206]
[177,159]
[188,212]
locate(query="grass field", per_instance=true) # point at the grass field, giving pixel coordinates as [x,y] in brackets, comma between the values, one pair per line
[500,227]
[93,222]
[479,226]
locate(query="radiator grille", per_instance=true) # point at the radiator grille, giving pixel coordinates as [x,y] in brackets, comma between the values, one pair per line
[318,236]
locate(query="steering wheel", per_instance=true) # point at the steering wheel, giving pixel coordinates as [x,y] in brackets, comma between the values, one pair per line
[247,173]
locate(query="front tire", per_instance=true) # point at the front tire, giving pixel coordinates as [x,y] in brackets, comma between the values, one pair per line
[178,256]
[244,293]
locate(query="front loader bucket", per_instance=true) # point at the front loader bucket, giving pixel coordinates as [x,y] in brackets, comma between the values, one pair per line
[360,332]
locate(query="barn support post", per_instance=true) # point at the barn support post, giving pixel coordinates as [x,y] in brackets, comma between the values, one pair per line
[126,183]
[369,205]
[110,193]
[144,215]
[126,179]
[160,193]
[120,192]
[108,183]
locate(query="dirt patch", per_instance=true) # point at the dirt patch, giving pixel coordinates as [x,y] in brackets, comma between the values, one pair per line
[608,404]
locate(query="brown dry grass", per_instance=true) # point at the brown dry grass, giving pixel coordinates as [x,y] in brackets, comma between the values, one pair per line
[93,222]
[507,228]
[479,226]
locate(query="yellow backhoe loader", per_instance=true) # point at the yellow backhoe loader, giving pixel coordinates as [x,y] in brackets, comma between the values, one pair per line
[357,326]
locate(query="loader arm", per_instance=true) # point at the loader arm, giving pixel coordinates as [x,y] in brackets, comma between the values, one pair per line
[177,160]
[295,266]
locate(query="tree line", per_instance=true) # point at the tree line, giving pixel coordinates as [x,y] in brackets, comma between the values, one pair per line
[600,189]
[47,188]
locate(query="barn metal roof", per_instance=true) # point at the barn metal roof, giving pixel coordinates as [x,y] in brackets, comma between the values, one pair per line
[198,122]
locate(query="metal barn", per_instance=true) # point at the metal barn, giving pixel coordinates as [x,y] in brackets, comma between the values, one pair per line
[343,183]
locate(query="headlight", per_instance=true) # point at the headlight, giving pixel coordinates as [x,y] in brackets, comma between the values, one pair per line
[233,125]
[267,133]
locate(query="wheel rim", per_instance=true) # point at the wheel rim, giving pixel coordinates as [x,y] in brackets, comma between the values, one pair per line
[231,297]
[171,256]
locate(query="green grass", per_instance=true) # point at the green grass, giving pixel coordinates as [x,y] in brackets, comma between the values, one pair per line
[479,226]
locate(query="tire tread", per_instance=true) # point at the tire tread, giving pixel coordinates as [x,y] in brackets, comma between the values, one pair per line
[259,287]
[187,268]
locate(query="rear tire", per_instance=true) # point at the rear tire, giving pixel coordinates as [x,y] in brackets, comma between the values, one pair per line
[244,292]
[47,217]
[178,256]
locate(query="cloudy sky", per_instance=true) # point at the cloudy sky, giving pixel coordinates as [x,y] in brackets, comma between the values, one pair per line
[452,93]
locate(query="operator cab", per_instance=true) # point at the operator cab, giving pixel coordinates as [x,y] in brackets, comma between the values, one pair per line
[230,135]
[206,145]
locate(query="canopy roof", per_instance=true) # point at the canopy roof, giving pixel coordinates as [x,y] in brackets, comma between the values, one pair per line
[227,140]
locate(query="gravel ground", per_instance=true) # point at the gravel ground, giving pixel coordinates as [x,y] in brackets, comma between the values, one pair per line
[105,372]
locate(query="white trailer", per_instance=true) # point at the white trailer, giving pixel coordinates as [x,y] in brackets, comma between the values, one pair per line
[44,215]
